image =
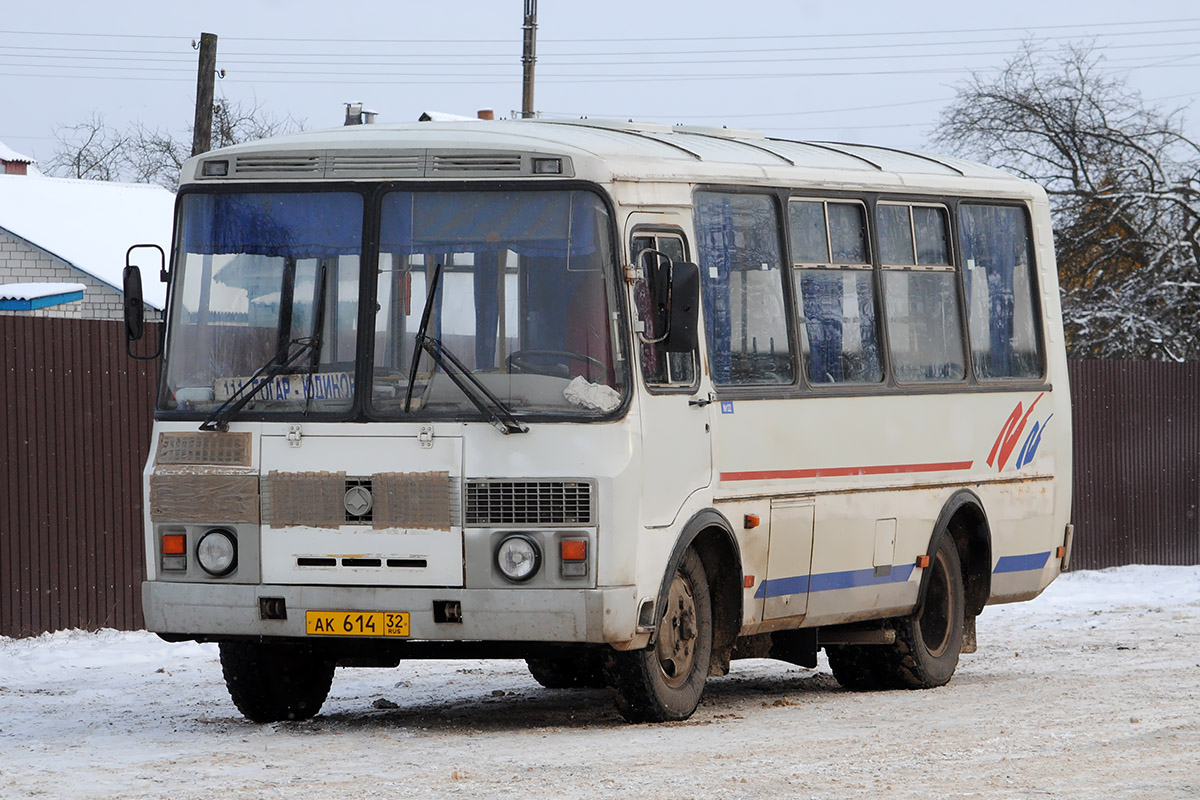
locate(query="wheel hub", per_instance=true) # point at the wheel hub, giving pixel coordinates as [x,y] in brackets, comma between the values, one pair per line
[676,644]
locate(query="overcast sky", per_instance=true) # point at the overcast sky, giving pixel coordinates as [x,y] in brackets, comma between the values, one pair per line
[856,70]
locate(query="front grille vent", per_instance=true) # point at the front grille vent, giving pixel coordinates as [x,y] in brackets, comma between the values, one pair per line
[298,164]
[469,163]
[492,503]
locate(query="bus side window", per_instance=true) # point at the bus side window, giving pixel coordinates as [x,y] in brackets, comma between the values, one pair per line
[659,368]
[920,293]
[1001,294]
[835,292]
[741,272]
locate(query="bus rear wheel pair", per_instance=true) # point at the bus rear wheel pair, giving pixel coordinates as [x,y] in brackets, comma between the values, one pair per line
[928,642]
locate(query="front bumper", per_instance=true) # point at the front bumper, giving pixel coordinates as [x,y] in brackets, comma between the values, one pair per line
[502,615]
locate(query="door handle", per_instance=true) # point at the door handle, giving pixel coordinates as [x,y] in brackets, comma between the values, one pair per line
[701,402]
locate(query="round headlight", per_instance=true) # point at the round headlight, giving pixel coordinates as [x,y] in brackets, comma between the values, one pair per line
[217,552]
[518,558]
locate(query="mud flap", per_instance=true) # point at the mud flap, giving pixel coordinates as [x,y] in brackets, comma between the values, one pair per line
[968,638]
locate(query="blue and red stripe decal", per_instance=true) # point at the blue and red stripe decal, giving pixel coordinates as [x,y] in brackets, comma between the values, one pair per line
[852,579]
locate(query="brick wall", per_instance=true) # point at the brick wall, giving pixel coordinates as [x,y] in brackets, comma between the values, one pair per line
[22,262]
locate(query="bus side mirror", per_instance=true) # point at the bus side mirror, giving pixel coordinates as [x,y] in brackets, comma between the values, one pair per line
[135,306]
[683,308]
[134,313]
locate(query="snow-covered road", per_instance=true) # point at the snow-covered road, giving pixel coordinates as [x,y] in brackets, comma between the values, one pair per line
[1090,691]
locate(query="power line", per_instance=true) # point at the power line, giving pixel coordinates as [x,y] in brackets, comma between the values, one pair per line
[802,36]
[235,62]
[423,58]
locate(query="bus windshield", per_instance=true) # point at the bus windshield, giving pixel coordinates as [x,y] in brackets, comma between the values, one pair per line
[525,302]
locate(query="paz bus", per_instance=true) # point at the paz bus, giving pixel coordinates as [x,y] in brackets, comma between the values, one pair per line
[627,401]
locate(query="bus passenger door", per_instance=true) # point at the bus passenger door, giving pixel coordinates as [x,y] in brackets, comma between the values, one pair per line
[789,559]
[676,446]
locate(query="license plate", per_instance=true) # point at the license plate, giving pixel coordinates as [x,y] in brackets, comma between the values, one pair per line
[356,623]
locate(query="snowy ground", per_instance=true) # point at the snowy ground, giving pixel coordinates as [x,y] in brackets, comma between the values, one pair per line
[1090,691]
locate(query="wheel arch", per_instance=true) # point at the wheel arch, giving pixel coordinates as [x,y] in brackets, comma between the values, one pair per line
[710,533]
[964,519]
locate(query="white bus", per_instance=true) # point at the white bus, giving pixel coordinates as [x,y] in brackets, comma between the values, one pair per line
[627,401]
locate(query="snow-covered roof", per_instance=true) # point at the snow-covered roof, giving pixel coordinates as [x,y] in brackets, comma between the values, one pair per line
[442,116]
[90,224]
[29,296]
[34,291]
[8,154]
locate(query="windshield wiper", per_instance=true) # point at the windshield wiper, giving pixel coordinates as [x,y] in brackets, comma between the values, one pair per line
[495,410]
[219,419]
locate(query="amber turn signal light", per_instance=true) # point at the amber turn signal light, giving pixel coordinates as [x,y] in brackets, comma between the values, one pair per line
[174,544]
[1061,552]
[751,521]
[922,562]
[573,549]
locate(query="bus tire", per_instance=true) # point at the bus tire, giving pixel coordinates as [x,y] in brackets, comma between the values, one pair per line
[584,672]
[273,682]
[929,641]
[665,681]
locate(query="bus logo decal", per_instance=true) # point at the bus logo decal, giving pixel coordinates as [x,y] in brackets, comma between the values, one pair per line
[1010,434]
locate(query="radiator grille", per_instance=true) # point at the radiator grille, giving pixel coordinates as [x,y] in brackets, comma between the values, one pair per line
[492,503]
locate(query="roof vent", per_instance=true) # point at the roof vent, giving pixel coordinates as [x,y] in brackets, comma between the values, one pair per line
[357,115]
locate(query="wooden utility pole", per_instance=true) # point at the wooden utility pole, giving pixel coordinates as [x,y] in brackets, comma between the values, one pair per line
[206,77]
[528,58]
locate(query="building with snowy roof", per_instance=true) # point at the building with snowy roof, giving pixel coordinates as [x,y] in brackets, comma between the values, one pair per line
[63,242]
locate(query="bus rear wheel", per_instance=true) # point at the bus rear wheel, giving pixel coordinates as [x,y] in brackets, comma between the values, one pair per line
[274,682]
[665,681]
[929,641]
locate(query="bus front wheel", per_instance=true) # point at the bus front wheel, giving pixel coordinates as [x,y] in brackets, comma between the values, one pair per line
[274,682]
[665,681]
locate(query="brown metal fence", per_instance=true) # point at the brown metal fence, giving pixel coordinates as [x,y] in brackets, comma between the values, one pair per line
[1137,457]
[74,434]
[76,430]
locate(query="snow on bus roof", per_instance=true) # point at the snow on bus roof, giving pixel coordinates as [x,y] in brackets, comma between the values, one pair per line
[90,224]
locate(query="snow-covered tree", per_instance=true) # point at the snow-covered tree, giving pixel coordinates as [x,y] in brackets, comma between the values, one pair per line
[1122,179]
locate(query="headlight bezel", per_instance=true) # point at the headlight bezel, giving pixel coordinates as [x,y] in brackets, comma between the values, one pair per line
[536,559]
[222,567]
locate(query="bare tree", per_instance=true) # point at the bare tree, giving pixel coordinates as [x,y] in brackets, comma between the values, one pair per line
[235,122]
[142,154]
[91,150]
[1121,177]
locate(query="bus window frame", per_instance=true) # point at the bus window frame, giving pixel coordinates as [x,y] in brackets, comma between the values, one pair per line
[954,268]
[1039,321]
[622,354]
[758,391]
[870,265]
[697,354]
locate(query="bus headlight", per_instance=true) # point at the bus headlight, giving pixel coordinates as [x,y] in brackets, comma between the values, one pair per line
[518,558]
[217,552]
